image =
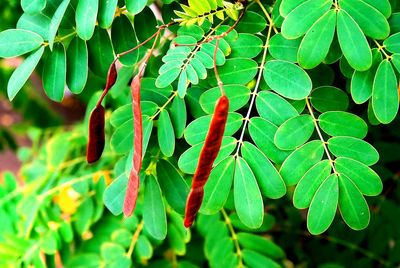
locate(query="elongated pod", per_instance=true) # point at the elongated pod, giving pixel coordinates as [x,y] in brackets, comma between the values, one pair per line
[208,155]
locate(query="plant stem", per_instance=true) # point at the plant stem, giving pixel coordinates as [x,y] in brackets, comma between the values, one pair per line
[266,14]
[315,120]
[220,84]
[382,49]
[135,238]
[174,94]
[254,93]
[156,34]
[234,236]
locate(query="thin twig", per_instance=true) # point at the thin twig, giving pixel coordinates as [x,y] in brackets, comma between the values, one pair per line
[135,238]
[331,161]
[254,93]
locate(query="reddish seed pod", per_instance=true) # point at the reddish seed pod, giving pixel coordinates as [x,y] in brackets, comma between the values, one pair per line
[208,155]
[134,177]
[111,76]
[96,122]
[96,135]
[131,194]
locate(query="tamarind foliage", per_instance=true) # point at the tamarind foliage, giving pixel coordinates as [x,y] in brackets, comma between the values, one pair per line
[307,173]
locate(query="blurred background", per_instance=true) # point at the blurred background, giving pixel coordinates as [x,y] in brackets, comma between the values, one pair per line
[31,108]
[33,133]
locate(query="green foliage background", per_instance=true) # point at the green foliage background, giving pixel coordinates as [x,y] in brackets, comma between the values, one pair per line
[307,174]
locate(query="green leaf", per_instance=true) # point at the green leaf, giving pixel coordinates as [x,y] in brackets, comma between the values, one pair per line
[114,195]
[218,186]
[327,98]
[382,5]
[54,73]
[395,61]
[248,201]
[238,96]
[199,67]
[236,71]
[371,21]
[84,216]
[178,116]
[192,30]
[362,82]
[287,6]
[33,6]
[277,19]
[209,49]
[251,23]
[22,73]
[352,205]
[176,242]
[262,132]
[371,116]
[122,36]
[296,24]
[256,260]
[146,22]
[309,184]
[135,6]
[86,15]
[300,161]
[166,78]
[38,23]
[124,113]
[166,135]
[323,206]
[89,260]
[366,180]
[287,79]
[392,44]
[274,108]
[16,42]
[343,124]
[261,245]
[335,53]
[294,132]
[49,243]
[55,157]
[284,49]
[345,68]
[122,139]
[269,180]
[192,76]
[173,185]
[66,232]
[106,13]
[220,248]
[56,21]
[143,249]
[197,130]
[77,65]
[101,53]
[189,159]
[155,220]
[353,148]
[246,46]
[316,43]
[147,92]
[394,22]
[111,251]
[353,42]
[385,96]
[205,59]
